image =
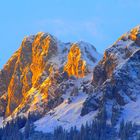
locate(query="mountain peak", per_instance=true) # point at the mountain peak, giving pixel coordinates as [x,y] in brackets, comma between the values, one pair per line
[41,63]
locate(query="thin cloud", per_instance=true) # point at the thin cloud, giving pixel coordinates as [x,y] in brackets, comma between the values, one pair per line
[77,28]
[73,31]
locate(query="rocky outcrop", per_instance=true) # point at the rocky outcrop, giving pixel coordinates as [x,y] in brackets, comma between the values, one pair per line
[29,68]
[104,69]
[120,51]
[75,66]
[20,79]
[35,75]
[43,47]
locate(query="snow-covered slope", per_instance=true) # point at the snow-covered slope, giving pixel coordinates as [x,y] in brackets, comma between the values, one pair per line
[67,115]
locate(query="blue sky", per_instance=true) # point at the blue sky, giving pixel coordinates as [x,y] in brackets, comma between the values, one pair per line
[99,22]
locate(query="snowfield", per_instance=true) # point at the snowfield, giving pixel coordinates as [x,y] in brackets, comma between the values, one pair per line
[66,115]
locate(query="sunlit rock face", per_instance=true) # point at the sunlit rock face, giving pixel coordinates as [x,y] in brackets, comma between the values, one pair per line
[29,68]
[135,35]
[20,80]
[75,66]
[43,47]
[38,74]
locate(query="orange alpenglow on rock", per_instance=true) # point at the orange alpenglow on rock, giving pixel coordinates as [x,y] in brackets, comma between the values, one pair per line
[75,66]
[28,68]
[133,34]
[38,54]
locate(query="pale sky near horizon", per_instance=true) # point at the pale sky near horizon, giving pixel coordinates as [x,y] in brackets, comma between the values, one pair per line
[99,22]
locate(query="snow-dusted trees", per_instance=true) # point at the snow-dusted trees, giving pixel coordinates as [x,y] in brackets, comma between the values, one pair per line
[97,130]
[27,129]
[126,130]
[11,132]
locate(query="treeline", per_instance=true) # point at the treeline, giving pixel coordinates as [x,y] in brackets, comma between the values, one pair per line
[20,128]
[23,129]
[99,131]
[14,131]
[95,131]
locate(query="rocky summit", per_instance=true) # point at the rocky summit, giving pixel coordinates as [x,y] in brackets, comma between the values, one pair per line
[69,88]
[38,73]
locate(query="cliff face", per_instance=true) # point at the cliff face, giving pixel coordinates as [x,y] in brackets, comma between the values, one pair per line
[75,66]
[20,80]
[43,48]
[29,68]
[35,74]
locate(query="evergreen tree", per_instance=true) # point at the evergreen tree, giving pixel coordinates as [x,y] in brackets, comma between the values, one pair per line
[27,129]
[121,127]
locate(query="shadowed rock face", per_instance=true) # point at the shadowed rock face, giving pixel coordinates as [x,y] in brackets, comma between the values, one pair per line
[116,78]
[121,50]
[34,76]
[113,56]
[104,69]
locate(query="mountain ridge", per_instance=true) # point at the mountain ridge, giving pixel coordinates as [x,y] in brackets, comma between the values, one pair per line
[69,84]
